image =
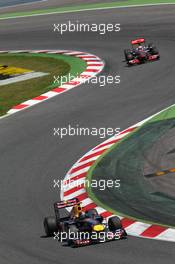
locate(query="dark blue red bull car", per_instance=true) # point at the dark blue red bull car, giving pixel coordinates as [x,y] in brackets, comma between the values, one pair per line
[79,228]
[141,52]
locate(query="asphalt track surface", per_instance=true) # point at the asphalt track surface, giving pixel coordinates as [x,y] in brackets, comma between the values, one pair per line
[31,157]
[9,3]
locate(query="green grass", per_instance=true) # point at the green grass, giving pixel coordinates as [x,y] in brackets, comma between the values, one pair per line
[168,113]
[17,93]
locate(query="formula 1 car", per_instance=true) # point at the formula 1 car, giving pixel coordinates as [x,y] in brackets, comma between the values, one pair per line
[140,52]
[79,228]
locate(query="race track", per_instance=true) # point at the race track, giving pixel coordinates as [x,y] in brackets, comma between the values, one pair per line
[31,157]
[10,3]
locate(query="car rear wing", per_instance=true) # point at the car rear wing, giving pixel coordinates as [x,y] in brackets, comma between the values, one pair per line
[137,41]
[68,203]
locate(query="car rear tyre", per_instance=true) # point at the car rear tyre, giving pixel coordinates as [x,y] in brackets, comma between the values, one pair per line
[154,51]
[50,225]
[128,55]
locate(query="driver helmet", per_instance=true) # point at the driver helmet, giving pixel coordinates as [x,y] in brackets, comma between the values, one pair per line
[76,211]
[140,47]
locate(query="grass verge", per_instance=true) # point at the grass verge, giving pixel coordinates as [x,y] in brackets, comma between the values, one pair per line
[17,93]
[166,114]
